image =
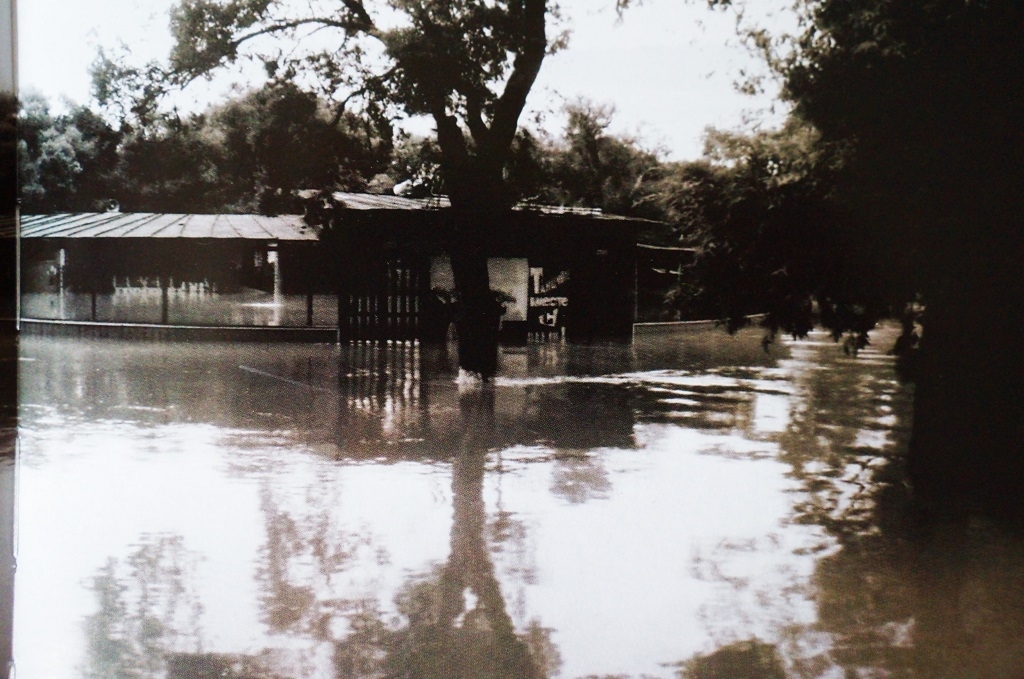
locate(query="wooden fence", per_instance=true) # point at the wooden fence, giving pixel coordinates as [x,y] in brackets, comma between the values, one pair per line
[381,303]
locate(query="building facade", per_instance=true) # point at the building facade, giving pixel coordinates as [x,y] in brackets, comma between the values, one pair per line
[379,273]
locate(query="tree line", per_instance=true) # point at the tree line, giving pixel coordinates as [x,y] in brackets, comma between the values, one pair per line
[253,153]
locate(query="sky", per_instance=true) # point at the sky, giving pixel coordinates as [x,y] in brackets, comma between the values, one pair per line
[668,67]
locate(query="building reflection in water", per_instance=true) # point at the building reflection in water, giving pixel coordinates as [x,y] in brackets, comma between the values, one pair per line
[692,507]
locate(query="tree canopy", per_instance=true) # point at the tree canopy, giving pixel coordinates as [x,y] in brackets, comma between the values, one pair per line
[249,154]
[468,65]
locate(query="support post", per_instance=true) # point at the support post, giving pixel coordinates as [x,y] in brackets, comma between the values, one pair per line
[164,302]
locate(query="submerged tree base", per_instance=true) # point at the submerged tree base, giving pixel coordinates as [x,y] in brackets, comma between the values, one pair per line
[468,380]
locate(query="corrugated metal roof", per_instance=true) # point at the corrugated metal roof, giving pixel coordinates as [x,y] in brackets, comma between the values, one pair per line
[150,225]
[370,201]
[366,201]
[254,227]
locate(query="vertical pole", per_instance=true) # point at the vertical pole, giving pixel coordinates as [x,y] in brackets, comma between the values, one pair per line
[61,263]
[407,301]
[309,309]
[340,296]
[416,287]
[392,301]
[378,314]
[164,303]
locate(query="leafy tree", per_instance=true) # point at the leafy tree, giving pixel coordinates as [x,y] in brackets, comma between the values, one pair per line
[592,168]
[279,139]
[171,166]
[764,217]
[929,97]
[66,162]
[469,65]
[248,154]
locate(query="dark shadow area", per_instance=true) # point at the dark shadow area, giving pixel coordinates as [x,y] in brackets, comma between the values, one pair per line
[8,458]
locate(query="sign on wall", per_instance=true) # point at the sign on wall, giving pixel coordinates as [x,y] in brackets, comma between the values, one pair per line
[508,275]
[549,300]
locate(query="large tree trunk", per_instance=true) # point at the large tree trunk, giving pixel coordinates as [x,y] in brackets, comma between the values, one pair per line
[478,209]
[479,315]
[968,432]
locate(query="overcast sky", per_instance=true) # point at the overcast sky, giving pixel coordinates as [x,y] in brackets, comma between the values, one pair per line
[669,67]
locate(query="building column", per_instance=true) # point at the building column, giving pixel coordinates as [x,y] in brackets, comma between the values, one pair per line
[164,301]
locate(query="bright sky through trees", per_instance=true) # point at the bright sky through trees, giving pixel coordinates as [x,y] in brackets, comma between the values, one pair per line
[668,66]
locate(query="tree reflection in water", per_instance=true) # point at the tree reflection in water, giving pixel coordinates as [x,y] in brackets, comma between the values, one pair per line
[455,621]
[147,610]
[752,659]
[451,622]
[902,595]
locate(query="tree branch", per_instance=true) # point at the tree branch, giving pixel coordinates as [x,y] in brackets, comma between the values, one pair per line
[365,21]
[340,112]
[525,69]
[475,118]
[288,25]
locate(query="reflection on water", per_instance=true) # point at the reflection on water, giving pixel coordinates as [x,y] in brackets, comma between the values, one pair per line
[686,506]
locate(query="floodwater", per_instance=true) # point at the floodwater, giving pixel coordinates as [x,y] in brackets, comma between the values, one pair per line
[689,506]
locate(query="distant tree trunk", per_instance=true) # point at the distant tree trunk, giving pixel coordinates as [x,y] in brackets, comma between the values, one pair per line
[968,430]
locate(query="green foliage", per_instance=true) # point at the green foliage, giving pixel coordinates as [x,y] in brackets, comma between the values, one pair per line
[900,166]
[467,64]
[585,167]
[248,154]
[592,168]
[66,162]
[770,235]
[125,92]
[930,96]
[204,32]
[416,167]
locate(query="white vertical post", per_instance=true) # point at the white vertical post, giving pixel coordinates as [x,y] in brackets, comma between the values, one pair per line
[9,83]
[8,537]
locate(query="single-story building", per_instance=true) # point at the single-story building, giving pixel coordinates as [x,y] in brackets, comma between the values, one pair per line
[561,272]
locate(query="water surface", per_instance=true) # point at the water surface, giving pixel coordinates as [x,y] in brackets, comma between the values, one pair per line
[687,504]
